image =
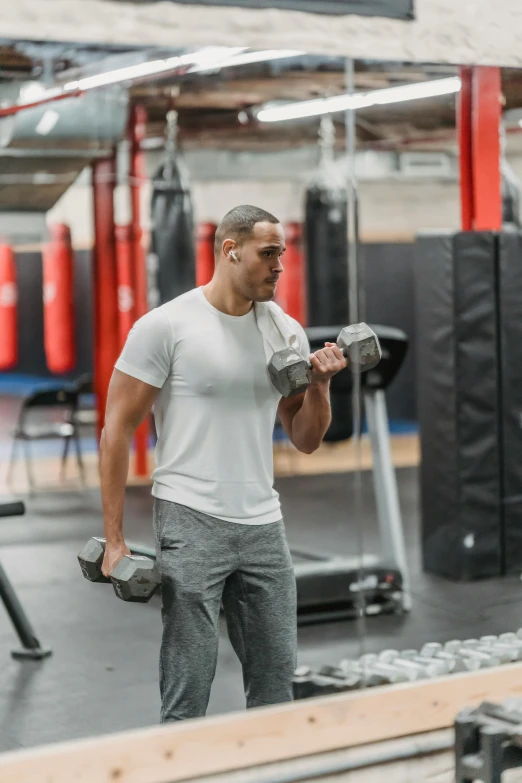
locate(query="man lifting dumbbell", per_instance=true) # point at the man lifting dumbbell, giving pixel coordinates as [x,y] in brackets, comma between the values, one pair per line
[201,359]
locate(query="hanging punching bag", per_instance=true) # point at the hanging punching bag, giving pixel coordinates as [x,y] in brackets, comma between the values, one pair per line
[172,231]
[326,237]
[291,289]
[8,309]
[58,297]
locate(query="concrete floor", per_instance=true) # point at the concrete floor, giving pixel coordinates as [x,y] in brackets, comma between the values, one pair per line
[103,676]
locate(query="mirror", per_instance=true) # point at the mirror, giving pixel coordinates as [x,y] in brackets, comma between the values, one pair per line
[196,132]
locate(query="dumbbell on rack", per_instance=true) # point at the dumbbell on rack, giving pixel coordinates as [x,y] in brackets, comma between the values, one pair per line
[134,579]
[488,741]
[291,373]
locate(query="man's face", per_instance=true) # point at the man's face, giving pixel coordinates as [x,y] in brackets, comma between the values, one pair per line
[259,266]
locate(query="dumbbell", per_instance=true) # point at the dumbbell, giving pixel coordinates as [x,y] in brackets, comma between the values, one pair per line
[134,579]
[410,659]
[474,659]
[376,672]
[307,682]
[291,374]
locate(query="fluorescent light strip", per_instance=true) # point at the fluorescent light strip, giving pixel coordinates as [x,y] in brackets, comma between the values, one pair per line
[204,57]
[362,100]
[207,59]
[247,58]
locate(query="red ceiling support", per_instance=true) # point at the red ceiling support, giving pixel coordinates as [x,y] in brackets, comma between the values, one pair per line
[478,119]
[105,281]
[137,132]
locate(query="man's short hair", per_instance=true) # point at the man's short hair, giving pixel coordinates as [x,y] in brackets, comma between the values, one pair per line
[238,224]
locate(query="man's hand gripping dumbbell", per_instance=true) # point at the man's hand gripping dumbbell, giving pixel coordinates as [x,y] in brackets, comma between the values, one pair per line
[357,345]
[134,578]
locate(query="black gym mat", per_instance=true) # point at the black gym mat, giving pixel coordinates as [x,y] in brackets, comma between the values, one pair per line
[103,674]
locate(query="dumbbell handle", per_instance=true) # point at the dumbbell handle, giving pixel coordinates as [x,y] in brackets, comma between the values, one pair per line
[344,353]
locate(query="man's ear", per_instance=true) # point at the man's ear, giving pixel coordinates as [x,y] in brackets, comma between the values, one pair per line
[229,249]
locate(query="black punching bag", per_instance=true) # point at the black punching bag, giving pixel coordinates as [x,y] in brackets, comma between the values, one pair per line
[326,234]
[326,238]
[172,261]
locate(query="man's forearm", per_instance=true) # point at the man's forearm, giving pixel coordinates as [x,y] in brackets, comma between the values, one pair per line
[310,423]
[114,468]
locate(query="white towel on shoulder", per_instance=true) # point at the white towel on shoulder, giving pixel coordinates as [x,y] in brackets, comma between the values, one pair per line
[277,329]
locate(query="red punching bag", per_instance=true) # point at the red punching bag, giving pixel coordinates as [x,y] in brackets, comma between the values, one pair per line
[58,296]
[8,309]
[124,249]
[205,253]
[291,292]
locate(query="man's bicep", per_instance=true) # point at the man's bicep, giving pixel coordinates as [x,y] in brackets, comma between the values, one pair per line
[288,407]
[129,400]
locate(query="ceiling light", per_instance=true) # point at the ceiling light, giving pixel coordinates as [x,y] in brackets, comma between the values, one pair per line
[360,100]
[205,57]
[248,58]
[47,122]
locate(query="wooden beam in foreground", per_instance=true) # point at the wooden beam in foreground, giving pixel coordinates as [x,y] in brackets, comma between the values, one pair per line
[166,754]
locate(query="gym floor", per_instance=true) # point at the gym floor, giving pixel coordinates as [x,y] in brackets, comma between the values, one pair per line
[102,676]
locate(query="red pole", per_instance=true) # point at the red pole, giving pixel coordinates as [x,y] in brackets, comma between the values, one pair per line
[478,114]
[486,148]
[291,287]
[205,262]
[105,281]
[137,132]
[465,149]
[125,282]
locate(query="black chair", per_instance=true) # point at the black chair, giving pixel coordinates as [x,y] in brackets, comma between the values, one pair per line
[34,425]
[84,416]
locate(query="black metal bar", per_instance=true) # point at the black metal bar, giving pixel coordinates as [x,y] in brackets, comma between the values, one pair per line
[14,509]
[31,647]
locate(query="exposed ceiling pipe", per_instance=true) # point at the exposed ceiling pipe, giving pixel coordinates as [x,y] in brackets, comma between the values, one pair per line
[8,111]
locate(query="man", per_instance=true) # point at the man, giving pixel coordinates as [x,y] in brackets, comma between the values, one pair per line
[220,538]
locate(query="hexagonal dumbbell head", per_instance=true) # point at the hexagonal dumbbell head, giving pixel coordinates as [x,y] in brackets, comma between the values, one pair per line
[289,372]
[135,578]
[91,559]
[361,346]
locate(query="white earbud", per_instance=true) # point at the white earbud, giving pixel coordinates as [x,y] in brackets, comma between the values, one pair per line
[234,255]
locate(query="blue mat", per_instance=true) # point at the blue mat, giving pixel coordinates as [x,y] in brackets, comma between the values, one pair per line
[20,385]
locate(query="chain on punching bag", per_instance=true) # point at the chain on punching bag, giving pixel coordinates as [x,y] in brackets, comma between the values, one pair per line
[172,260]
[326,233]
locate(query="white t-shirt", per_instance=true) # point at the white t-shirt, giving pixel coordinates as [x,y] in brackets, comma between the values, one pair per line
[216,409]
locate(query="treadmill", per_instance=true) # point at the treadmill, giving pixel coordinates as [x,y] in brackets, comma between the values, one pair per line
[331,587]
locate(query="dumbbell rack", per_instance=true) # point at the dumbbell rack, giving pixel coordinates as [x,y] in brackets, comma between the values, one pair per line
[488,741]
[31,648]
[394,666]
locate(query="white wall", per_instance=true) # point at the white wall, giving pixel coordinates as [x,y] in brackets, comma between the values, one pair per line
[390,209]
[455,31]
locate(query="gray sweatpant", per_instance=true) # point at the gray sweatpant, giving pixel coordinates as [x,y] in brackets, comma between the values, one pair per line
[204,562]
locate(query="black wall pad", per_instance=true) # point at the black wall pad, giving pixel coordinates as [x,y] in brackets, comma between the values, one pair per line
[510,326]
[458,404]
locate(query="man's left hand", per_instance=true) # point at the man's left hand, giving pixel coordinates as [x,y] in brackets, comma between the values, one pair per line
[327,362]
